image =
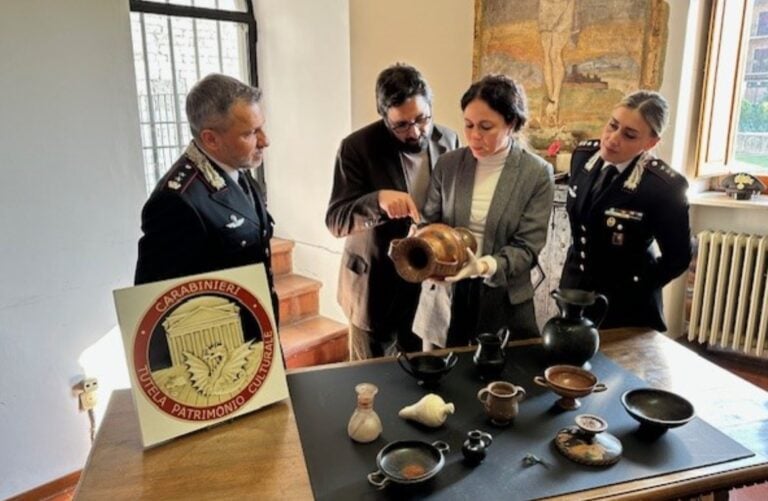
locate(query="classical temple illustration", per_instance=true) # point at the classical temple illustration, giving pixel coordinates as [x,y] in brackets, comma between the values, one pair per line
[210,358]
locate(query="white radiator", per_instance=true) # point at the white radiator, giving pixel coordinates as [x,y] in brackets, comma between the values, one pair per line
[730,304]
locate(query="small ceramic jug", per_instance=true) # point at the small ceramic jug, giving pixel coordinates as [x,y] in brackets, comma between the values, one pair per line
[474,448]
[489,355]
[500,400]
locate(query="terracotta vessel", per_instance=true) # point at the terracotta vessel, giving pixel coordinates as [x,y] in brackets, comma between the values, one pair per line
[572,338]
[435,251]
[500,400]
[570,382]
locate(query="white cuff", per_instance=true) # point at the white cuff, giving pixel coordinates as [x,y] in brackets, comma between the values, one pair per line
[491,264]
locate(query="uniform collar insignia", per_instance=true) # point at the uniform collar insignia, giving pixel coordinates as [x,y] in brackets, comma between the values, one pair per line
[637,172]
[235,222]
[592,161]
[204,166]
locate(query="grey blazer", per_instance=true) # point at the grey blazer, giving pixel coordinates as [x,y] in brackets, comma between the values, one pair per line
[516,227]
[371,293]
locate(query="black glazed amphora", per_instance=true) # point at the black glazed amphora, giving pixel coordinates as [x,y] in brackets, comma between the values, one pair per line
[572,338]
[489,356]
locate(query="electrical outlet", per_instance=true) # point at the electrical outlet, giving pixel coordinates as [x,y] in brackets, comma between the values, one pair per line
[87,395]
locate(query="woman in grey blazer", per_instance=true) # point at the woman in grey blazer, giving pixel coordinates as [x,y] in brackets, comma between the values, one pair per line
[503,193]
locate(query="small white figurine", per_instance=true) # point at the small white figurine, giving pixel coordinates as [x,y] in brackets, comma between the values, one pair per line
[430,411]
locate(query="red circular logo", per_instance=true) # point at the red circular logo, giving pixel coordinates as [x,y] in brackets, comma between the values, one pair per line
[203,349]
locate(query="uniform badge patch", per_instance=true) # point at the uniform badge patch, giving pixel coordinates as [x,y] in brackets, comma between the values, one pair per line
[617,239]
[611,222]
[624,214]
[235,222]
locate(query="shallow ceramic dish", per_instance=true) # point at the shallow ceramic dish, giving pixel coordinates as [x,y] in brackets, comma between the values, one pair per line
[657,410]
[427,369]
[408,462]
[570,382]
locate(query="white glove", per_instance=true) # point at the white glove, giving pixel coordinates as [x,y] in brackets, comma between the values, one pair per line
[476,267]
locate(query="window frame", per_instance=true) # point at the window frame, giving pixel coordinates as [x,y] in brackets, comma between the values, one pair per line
[723,73]
[246,17]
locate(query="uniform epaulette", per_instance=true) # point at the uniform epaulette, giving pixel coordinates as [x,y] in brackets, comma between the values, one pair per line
[589,144]
[209,175]
[662,170]
[181,176]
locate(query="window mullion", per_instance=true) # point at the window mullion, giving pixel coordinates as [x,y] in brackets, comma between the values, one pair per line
[175,84]
[150,105]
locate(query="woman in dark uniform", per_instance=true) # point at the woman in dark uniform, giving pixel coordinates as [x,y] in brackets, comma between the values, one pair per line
[629,215]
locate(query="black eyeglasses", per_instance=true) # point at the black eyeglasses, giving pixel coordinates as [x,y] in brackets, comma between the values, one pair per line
[401,127]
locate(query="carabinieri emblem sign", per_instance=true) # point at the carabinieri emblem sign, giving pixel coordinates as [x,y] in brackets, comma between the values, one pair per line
[200,350]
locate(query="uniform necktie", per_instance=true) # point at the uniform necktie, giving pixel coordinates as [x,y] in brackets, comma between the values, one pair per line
[244,185]
[607,174]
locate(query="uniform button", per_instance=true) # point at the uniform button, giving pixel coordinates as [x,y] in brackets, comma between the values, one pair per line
[266,251]
[243,243]
[263,233]
[583,255]
[635,278]
[583,228]
[581,267]
[619,227]
[583,240]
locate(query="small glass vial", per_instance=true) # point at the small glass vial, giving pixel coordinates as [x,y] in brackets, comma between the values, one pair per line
[364,425]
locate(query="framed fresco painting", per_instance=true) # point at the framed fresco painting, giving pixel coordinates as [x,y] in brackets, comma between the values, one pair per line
[575,58]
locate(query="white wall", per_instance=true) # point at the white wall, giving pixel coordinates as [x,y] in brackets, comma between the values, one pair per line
[435,36]
[304,71]
[72,182]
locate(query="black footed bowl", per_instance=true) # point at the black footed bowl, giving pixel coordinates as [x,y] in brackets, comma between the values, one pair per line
[426,368]
[657,410]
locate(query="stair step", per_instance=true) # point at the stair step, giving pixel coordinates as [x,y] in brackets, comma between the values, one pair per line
[314,341]
[282,256]
[298,297]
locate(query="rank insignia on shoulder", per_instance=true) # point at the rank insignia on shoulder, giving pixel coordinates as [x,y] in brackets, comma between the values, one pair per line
[589,143]
[624,214]
[235,222]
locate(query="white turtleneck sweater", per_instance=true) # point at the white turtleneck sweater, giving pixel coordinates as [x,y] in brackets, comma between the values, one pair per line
[487,176]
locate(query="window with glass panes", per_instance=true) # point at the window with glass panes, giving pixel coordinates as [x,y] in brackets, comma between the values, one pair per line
[175,44]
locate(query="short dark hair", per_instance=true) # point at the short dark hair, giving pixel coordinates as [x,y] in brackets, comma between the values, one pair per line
[398,83]
[209,101]
[502,95]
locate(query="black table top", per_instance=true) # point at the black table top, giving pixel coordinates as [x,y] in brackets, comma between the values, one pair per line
[324,401]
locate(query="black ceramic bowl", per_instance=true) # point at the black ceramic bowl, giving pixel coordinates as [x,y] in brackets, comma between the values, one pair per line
[408,462]
[657,410]
[428,369]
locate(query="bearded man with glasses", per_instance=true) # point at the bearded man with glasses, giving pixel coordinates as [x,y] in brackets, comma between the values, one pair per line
[380,184]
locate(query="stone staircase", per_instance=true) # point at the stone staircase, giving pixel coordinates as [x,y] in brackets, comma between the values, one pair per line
[306,337]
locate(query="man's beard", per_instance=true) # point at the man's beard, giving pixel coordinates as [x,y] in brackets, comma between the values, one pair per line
[412,146]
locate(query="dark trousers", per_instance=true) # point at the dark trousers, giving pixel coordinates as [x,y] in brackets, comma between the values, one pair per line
[477,308]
